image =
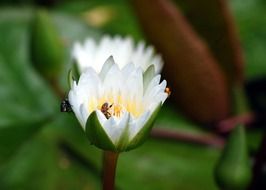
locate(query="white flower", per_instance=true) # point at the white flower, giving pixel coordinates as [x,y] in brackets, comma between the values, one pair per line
[93,54]
[117,106]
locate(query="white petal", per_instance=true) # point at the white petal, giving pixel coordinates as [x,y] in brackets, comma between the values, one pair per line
[127,69]
[137,124]
[134,84]
[84,115]
[151,94]
[147,76]
[114,127]
[153,106]
[81,93]
[88,85]
[93,54]
[154,82]
[113,82]
[111,130]
[106,67]
[101,117]
[79,55]
[123,51]
[73,100]
[158,63]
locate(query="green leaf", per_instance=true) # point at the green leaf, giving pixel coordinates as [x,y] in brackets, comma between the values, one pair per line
[233,170]
[97,135]
[110,10]
[160,165]
[31,169]
[26,101]
[250,19]
[13,137]
[46,46]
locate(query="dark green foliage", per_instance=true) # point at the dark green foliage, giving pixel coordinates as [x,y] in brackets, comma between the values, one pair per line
[46,46]
[233,170]
[44,149]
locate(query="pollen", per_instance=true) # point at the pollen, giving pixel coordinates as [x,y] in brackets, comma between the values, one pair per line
[117,110]
[116,106]
[110,109]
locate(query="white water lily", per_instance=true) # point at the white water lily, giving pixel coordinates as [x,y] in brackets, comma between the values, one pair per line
[117,106]
[93,54]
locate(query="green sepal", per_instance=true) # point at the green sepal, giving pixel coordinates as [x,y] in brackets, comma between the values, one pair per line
[233,170]
[47,50]
[75,70]
[148,76]
[73,74]
[97,135]
[143,134]
[70,78]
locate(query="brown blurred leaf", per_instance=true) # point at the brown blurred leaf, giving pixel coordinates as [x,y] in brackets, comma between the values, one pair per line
[197,82]
[213,21]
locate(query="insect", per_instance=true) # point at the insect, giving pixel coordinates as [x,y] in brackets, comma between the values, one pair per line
[105,110]
[65,106]
[168,91]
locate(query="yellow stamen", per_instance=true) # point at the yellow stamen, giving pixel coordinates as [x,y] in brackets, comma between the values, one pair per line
[115,106]
[117,110]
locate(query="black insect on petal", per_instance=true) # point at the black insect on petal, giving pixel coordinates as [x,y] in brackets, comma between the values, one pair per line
[65,106]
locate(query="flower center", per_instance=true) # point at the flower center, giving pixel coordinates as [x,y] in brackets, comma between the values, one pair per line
[112,109]
[115,106]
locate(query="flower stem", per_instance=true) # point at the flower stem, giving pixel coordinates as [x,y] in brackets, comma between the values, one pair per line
[109,169]
[205,139]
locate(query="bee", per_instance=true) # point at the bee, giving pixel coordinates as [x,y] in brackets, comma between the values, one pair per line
[65,106]
[168,91]
[105,110]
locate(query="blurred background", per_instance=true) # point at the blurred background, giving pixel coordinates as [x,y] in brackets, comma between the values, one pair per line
[214,53]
